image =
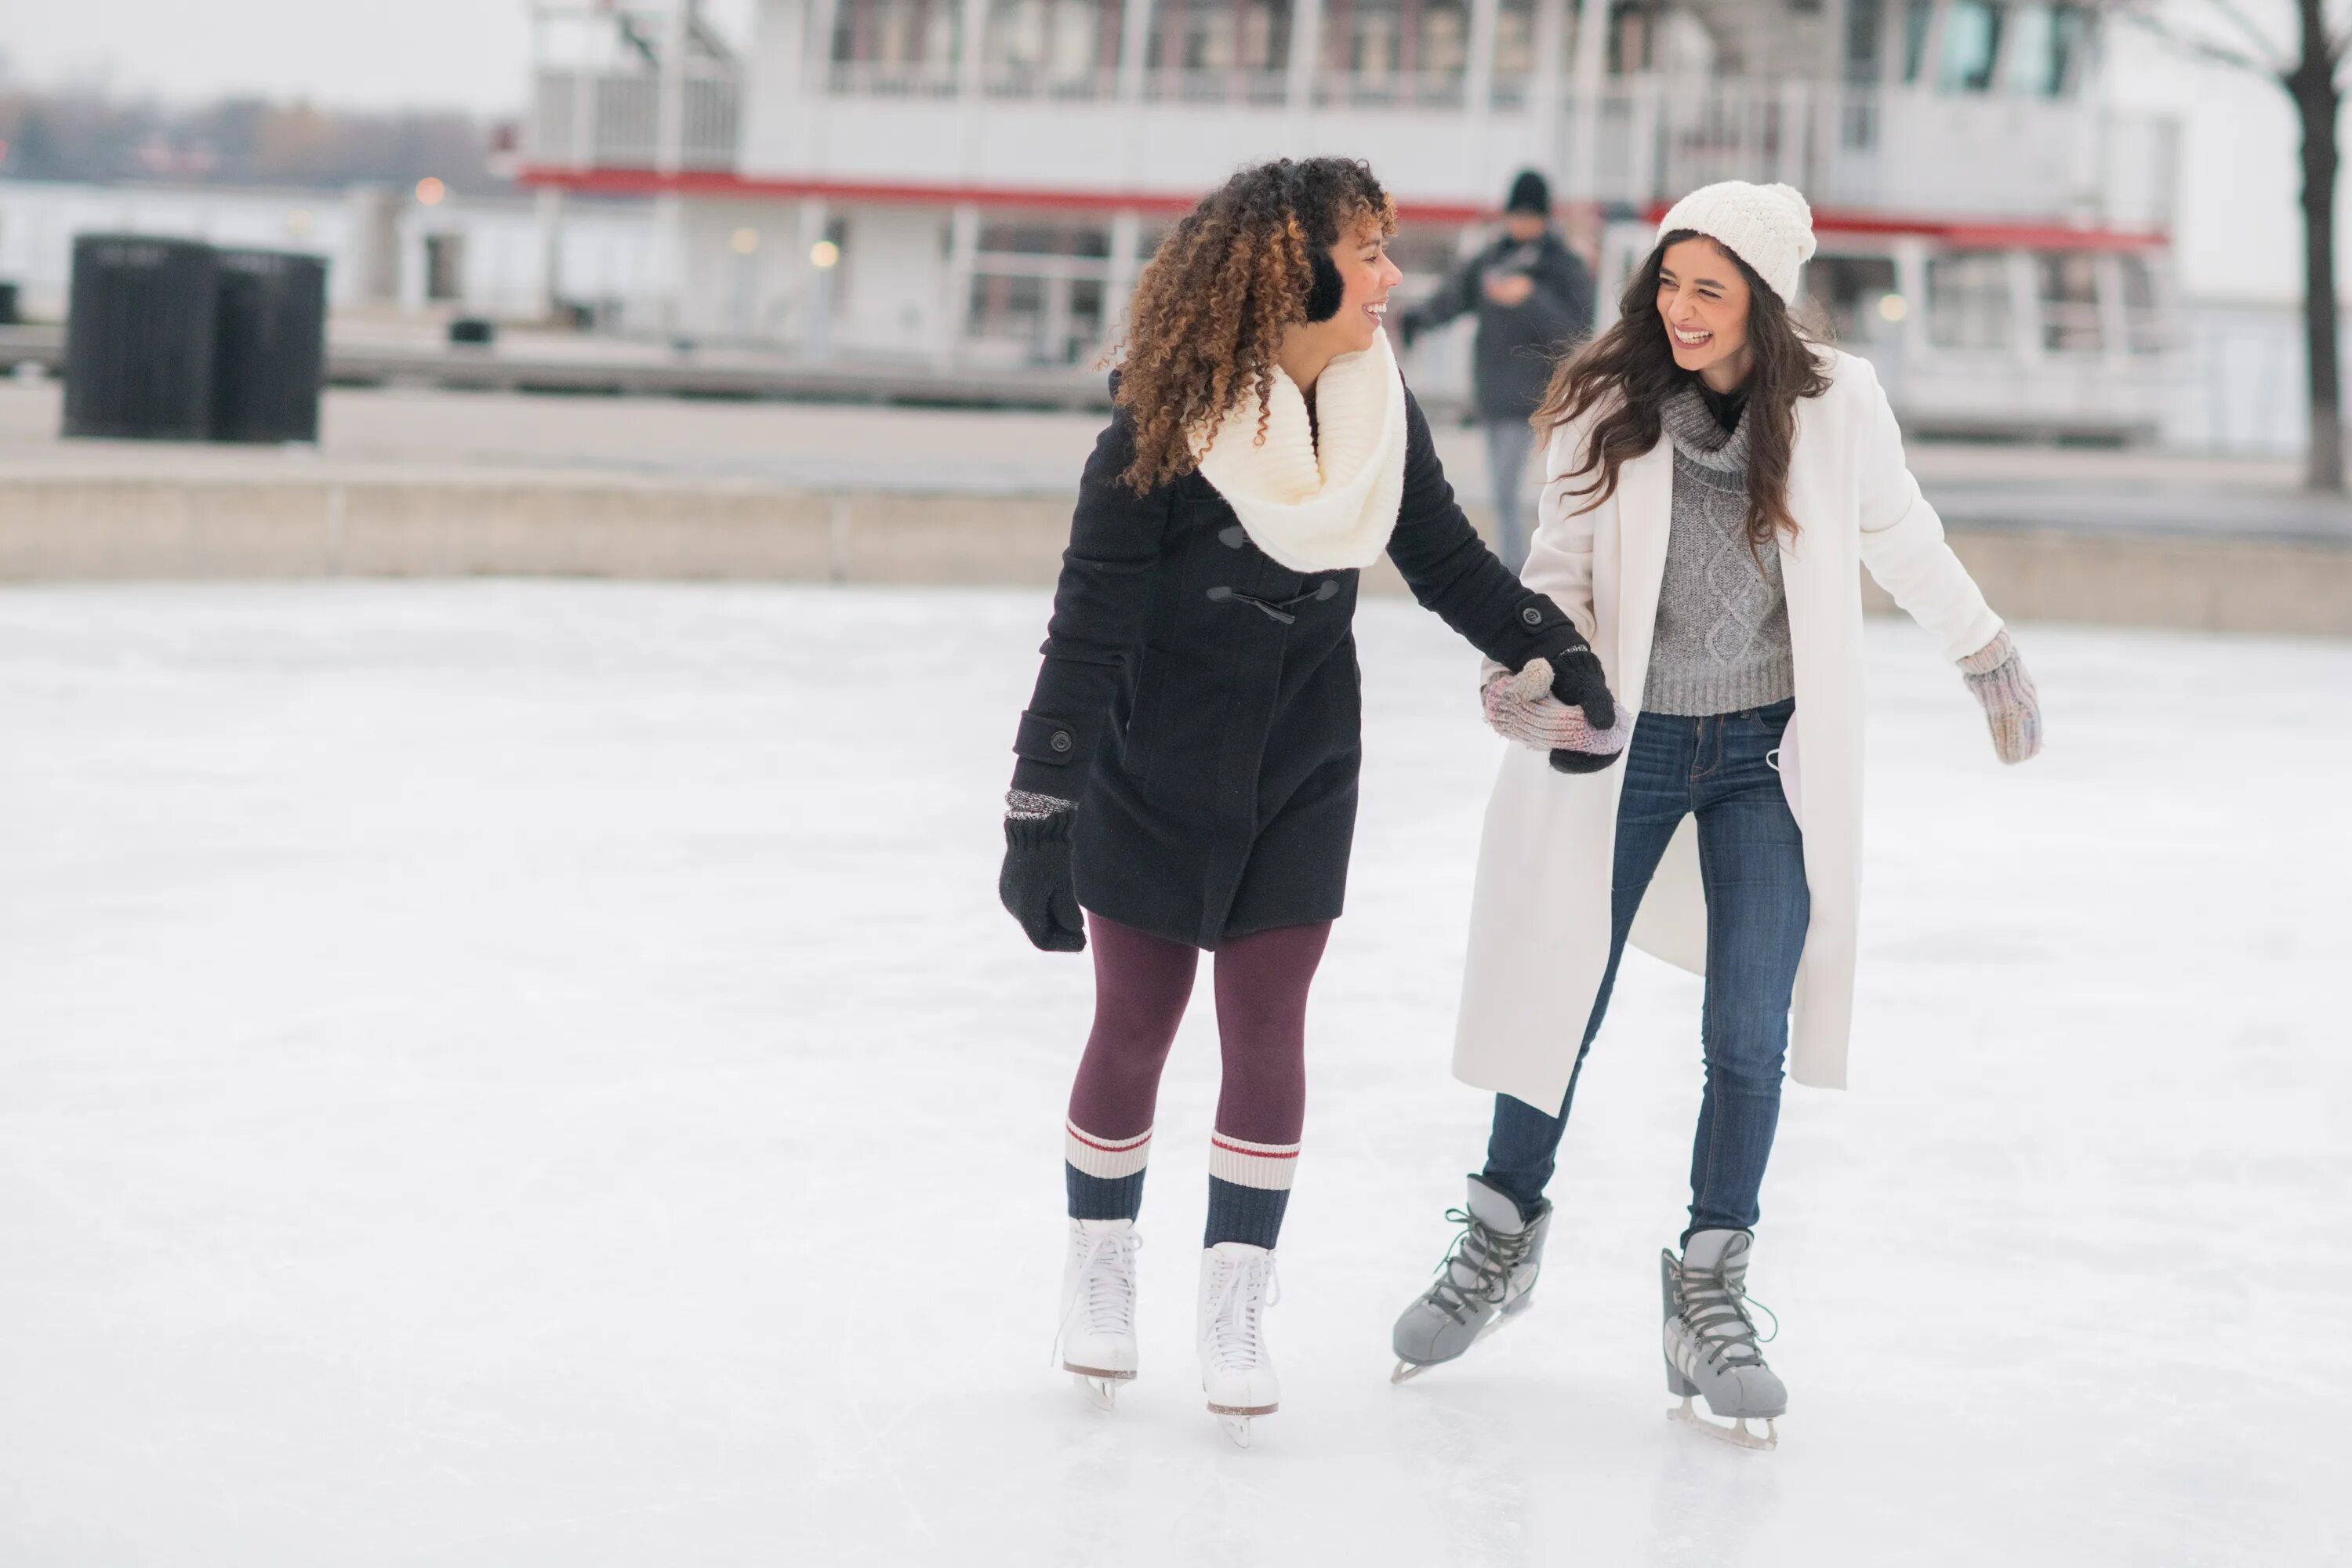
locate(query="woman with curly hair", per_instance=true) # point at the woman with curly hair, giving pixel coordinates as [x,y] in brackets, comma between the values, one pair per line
[1188,763]
[1716,485]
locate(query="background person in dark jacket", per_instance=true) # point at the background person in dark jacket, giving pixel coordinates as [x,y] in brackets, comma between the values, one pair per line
[1188,762]
[1534,299]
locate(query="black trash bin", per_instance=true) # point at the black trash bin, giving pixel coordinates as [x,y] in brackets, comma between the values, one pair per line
[270,346]
[139,337]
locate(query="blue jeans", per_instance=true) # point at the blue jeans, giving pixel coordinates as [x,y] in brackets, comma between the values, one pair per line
[1752,861]
[1508,444]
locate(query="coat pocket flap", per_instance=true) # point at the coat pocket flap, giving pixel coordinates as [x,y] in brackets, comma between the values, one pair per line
[1043,738]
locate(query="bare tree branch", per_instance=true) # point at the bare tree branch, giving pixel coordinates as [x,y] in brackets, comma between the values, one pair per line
[2269,48]
[2204,48]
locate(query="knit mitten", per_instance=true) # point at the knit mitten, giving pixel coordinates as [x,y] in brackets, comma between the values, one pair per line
[1522,708]
[1577,680]
[1037,886]
[2013,707]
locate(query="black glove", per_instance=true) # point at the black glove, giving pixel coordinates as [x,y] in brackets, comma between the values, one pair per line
[1577,682]
[1036,884]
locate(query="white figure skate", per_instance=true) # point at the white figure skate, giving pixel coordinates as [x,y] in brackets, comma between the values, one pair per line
[1097,1338]
[1237,1286]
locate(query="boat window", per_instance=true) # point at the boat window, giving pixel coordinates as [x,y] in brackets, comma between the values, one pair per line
[2070,302]
[1061,49]
[1864,23]
[1038,291]
[1971,44]
[1515,54]
[1220,51]
[1916,16]
[902,42]
[1968,301]
[1406,52]
[2070,40]
[2044,42]
[1856,294]
[2146,330]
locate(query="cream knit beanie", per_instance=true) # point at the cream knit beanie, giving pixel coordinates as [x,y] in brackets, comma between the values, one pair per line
[1768,226]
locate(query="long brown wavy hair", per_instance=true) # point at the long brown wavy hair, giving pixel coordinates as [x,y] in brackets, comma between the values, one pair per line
[1629,372]
[1211,305]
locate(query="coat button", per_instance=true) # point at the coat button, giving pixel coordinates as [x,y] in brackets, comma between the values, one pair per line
[1220,594]
[1232,538]
[1329,590]
[1532,615]
[1061,741]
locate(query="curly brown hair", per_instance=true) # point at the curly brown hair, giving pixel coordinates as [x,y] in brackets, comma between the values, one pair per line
[1629,372]
[1211,305]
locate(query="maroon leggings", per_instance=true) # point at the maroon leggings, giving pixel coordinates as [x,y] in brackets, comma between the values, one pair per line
[1141,983]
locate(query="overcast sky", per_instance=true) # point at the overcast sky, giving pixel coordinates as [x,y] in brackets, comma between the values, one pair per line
[2237,231]
[468,54]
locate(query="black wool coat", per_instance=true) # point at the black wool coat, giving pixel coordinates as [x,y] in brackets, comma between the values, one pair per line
[1202,702]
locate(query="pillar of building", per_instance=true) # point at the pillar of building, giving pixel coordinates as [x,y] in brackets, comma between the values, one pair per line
[1478,79]
[547,216]
[963,249]
[1134,47]
[1306,52]
[971,51]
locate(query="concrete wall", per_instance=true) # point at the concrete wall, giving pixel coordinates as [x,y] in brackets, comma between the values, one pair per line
[73,528]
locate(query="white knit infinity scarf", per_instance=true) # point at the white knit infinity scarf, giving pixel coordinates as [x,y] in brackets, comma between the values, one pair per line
[1327,505]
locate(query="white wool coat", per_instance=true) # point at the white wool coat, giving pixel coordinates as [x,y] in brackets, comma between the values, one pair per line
[1539,920]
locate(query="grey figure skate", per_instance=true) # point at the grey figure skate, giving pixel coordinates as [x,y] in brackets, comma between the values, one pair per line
[1485,1280]
[1710,1340]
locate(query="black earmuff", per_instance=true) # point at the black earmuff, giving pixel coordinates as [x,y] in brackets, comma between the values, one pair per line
[1324,287]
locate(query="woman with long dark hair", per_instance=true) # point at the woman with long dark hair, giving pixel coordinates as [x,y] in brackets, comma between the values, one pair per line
[1716,483]
[1188,763]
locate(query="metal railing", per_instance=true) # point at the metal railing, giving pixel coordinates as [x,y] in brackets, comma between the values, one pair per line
[1035,82]
[1902,149]
[1913,151]
[591,119]
[881,78]
[1392,90]
[1253,86]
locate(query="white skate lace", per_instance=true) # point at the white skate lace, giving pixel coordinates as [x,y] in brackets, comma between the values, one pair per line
[1105,1285]
[1487,1254]
[1107,1281]
[1714,1308]
[1238,1303]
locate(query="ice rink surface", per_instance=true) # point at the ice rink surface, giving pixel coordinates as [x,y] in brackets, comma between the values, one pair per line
[508,1075]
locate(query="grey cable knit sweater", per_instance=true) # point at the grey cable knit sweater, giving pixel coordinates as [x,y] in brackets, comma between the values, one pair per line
[1722,641]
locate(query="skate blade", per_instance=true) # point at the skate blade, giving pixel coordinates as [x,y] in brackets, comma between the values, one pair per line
[1101,1389]
[1738,1436]
[1406,1371]
[1237,1427]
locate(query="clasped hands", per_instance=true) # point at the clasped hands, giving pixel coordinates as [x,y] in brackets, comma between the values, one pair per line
[1560,705]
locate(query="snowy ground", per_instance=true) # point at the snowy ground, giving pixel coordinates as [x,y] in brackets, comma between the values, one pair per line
[536,1074]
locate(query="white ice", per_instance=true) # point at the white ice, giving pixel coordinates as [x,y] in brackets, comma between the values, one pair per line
[510,1075]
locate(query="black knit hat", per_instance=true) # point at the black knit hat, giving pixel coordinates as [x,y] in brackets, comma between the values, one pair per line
[1530,193]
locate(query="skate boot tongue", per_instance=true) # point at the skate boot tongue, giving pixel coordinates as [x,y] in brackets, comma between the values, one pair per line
[1703,1253]
[1495,1209]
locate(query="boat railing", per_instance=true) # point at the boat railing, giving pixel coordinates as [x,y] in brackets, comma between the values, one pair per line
[1910,150]
[593,118]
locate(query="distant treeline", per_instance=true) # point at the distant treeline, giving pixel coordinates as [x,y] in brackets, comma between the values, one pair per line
[80,135]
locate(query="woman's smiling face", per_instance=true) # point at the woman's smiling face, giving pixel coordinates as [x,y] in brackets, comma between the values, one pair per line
[1362,257]
[1702,301]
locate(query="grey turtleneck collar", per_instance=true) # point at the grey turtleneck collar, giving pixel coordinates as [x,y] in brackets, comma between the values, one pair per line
[1700,439]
